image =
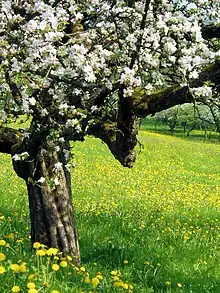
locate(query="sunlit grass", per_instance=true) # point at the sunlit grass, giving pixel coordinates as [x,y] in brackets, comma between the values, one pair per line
[153,228]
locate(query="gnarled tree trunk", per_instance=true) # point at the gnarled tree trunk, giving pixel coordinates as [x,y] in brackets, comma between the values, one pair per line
[49,192]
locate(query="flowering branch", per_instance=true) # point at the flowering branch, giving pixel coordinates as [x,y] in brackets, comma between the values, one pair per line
[176,95]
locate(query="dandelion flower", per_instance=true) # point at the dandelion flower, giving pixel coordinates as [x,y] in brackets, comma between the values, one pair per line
[33,290]
[87,280]
[82,269]
[118,284]
[15,267]
[2,256]
[2,242]
[2,270]
[179,285]
[36,245]
[95,281]
[55,291]
[32,276]
[125,286]
[52,251]
[100,277]
[31,285]
[63,264]
[15,289]
[55,267]
[40,252]
[22,267]
[11,236]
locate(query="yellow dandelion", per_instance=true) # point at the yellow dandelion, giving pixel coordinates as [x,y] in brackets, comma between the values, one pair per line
[15,289]
[22,267]
[82,269]
[2,270]
[2,242]
[15,267]
[179,285]
[11,236]
[114,273]
[125,286]
[69,258]
[55,291]
[55,267]
[2,256]
[2,217]
[20,240]
[32,290]
[36,245]
[100,277]
[51,251]
[31,285]
[95,281]
[63,264]
[125,262]
[40,252]
[31,277]
[118,284]
[87,280]
[167,283]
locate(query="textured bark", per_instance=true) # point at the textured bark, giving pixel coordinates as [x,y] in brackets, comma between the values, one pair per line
[211,31]
[8,138]
[126,132]
[51,209]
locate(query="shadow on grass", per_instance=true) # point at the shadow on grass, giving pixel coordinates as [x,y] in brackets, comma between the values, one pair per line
[107,243]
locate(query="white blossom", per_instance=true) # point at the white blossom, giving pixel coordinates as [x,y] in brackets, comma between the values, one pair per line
[56,181]
[41,180]
[58,166]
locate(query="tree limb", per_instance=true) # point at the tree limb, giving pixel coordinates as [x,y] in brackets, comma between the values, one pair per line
[8,138]
[150,104]
[211,31]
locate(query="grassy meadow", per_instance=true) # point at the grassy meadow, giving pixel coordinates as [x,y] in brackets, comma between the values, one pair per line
[153,228]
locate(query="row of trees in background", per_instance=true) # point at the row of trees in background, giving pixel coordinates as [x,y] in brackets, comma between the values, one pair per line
[189,116]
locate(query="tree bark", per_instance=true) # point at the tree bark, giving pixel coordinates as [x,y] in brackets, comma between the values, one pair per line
[50,202]
[126,132]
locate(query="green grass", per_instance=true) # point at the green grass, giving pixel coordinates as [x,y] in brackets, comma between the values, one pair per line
[158,223]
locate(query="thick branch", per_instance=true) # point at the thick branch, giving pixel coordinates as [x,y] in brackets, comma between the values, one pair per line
[8,138]
[162,100]
[106,131]
[211,31]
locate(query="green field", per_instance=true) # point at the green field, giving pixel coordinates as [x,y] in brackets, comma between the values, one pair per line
[153,228]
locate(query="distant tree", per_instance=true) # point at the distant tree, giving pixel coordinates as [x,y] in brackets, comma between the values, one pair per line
[93,67]
[170,117]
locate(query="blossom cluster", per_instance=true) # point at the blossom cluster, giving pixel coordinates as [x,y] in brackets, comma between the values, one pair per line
[57,59]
